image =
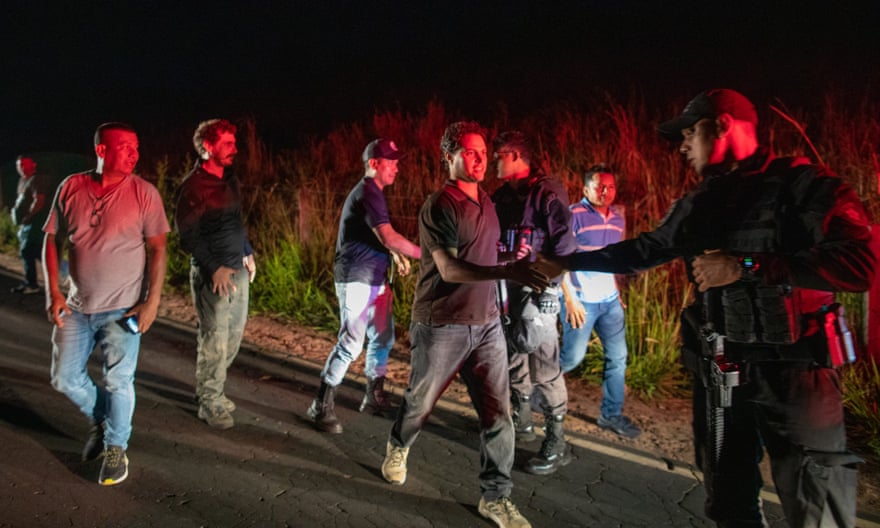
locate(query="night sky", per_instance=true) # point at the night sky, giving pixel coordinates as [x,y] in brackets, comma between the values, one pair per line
[302,67]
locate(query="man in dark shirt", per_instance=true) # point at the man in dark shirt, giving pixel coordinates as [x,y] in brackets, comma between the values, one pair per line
[29,213]
[211,228]
[534,213]
[364,248]
[456,327]
[766,241]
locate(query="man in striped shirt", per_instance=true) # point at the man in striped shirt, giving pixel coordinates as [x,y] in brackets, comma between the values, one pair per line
[591,299]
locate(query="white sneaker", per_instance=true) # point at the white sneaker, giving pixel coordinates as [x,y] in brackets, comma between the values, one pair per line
[394,465]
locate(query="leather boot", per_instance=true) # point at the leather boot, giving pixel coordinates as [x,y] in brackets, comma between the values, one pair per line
[554,453]
[322,410]
[521,409]
[376,400]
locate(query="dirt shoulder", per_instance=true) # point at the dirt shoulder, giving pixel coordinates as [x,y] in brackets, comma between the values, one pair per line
[665,423]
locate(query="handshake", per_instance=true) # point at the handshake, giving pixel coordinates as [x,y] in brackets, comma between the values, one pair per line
[536,275]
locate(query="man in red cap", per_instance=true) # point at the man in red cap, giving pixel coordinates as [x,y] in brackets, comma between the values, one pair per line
[766,241]
[365,247]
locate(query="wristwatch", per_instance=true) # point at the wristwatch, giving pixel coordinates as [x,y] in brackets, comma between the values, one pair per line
[749,266]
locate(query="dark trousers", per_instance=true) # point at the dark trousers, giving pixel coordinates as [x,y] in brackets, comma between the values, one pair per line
[795,411]
[478,353]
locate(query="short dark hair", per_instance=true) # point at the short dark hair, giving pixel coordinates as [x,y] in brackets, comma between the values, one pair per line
[516,140]
[210,131]
[599,168]
[112,125]
[452,136]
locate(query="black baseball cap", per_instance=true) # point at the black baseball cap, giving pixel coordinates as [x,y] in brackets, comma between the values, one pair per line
[711,104]
[382,148]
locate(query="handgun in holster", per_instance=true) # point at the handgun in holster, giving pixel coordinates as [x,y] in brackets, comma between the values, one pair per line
[723,374]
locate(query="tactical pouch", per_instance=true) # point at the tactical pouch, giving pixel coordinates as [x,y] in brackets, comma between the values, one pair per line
[779,315]
[739,315]
[761,314]
[529,329]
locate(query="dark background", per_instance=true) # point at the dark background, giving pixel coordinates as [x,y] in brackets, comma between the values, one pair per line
[302,67]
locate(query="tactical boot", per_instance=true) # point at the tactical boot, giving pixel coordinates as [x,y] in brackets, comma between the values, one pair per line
[554,453]
[521,409]
[322,410]
[94,447]
[376,400]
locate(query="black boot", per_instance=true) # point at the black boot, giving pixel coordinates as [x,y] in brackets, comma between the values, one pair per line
[322,410]
[521,409]
[95,444]
[554,453]
[375,399]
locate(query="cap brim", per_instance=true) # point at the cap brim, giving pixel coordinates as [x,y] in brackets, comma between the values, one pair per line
[671,129]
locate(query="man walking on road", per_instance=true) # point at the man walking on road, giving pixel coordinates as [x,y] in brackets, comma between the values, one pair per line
[364,248]
[113,224]
[456,327]
[592,301]
[212,230]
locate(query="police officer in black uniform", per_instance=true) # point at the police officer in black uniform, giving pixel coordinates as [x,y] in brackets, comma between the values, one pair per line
[766,241]
[533,214]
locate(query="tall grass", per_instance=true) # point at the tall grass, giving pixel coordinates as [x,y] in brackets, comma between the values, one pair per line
[8,232]
[293,199]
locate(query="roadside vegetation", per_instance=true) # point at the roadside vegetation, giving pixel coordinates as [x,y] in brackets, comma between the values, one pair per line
[294,197]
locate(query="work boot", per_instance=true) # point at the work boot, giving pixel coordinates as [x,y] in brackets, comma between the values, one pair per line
[94,447]
[554,453]
[521,409]
[322,410]
[376,400]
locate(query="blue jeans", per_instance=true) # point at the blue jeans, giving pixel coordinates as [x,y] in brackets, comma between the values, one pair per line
[364,312]
[221,328]
[112,402]
[479,355]
[30,249]
[607,319]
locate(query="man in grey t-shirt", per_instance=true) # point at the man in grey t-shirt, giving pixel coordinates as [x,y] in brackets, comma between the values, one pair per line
[113,224]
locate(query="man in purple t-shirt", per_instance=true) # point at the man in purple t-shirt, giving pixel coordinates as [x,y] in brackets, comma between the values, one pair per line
[113,224]
[365,246]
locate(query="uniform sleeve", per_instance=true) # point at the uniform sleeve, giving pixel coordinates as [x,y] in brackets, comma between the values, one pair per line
[838,257]
[643,252]
[561,239]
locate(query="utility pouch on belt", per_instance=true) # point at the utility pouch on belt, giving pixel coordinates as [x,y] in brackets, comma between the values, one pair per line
[761,314]
[841,350]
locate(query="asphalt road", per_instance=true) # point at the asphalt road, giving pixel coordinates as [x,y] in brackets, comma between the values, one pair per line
[272,469]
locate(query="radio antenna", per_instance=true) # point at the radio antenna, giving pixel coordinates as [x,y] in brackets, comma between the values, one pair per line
[800,129]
